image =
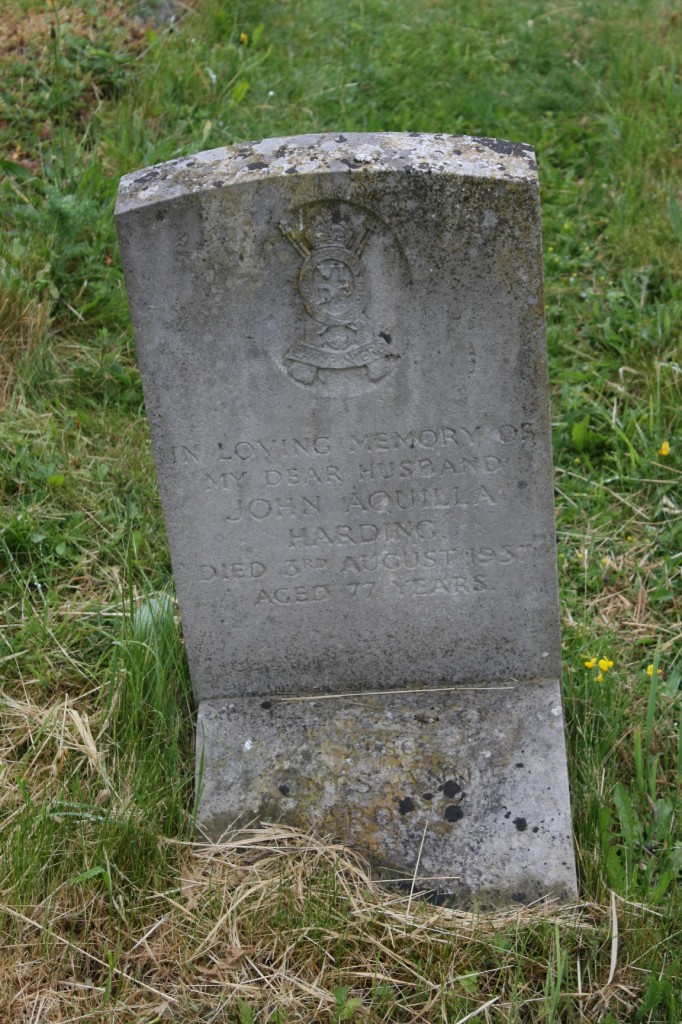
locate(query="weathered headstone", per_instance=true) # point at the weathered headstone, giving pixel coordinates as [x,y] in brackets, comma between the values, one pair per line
[342,348]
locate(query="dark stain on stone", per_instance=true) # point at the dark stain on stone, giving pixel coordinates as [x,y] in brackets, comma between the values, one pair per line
[427,796]
[340,138]
[453,812]
[160,215]
[451,788]
[149,176]
[406,805]
[291,170]
[426,719]
[218,183]
[386,336]
[282,151]
[521,484]
[521,824]
[536,829]
[267,704]
[507,148]
[519,897]
[519,764]
[284,789]
[508,814]
[257,165]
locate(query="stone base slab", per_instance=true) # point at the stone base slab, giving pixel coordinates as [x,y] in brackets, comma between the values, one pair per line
[466,785]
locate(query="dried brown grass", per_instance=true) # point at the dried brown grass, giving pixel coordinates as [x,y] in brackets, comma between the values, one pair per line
[23,30]
[269,920]
[239,927]
[23,325]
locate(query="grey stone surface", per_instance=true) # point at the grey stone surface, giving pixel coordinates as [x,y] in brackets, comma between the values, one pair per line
[477,774]
[342,347]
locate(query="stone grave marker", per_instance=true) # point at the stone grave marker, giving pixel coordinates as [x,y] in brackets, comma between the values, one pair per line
[342,347]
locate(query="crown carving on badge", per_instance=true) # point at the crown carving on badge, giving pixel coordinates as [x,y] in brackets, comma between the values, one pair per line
[327,230]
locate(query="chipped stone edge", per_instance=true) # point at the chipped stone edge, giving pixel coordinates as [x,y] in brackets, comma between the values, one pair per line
[351,153]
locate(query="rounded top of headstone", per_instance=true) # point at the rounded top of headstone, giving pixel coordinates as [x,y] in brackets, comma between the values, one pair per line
[346,153]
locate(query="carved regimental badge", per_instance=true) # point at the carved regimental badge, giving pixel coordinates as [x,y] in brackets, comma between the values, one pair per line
[333,282]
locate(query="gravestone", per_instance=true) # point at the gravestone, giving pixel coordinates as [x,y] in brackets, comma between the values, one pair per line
[342,347]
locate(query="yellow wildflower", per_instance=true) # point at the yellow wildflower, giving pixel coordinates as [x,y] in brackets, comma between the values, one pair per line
[591,663]
[605,664]
[244,39]
[650,671]
[664,449]
[600,678]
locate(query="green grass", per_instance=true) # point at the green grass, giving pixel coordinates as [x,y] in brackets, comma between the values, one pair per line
[96,781]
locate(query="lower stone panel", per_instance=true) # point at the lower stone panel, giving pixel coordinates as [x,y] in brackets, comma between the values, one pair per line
[473,777]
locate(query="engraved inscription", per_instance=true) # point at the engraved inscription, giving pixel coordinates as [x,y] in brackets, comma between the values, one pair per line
[359,518]
[258,509]
[274,449]
[294,595]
